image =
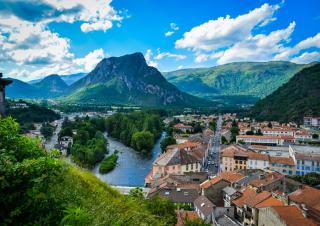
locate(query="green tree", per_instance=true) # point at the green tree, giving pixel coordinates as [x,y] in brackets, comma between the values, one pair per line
[136,193]
[142,141]
[315,136]
[196,222]
[166,142]
[46,130]
[224,140]
[163,208]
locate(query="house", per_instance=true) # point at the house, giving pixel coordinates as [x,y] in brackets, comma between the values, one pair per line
[229,194]
[212,188]
[257,161]
[307,158]
[308,200]
[310,121]
[184,128]
[246,211]
[3,84]
[284,165]
[302,136]
[183,216]
[268,181]
[64,144]
[176,190]
[234,157]
[204,208]
[283,216]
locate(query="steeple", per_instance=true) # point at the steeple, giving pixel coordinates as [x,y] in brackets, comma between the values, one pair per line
[3,84]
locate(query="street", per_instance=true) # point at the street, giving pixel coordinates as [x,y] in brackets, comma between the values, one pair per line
[212,165]
[54,139]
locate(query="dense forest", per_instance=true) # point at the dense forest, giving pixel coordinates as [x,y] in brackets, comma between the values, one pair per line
[293,100]
[89,143]
[138,130]
[38,188]
[33,113]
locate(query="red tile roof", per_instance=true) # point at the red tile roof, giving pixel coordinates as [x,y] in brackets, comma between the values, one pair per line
[182,216]
[251,197]
[306,195]
[292,216]
[282,160]
[266,179]
[271,201]
[230,177]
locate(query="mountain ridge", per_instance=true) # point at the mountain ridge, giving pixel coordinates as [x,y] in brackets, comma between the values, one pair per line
[293,100]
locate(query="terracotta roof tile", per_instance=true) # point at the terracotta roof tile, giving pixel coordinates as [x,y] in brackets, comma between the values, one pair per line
[267,179]
[182,216]
[271,201]
[282,160]
[292,216]
[307,195]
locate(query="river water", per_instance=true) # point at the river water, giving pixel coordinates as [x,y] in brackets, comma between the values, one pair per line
[132,167]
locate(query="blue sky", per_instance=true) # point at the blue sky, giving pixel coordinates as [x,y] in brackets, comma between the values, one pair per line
[42,37]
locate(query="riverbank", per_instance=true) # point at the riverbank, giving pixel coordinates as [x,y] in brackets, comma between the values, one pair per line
[132,166]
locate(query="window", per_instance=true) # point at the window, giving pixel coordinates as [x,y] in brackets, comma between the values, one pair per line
[187,167]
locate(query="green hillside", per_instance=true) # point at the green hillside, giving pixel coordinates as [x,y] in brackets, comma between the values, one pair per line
[235,79]
[128,80]
[38,188]
[290,102]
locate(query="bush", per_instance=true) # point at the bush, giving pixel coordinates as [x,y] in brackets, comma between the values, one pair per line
[109,163]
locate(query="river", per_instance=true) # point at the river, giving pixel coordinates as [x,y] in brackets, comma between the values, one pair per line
[132,167]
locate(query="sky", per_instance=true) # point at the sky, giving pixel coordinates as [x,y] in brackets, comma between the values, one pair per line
[42,37]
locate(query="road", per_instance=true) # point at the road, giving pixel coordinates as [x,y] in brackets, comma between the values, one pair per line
[213,160]
[54,139]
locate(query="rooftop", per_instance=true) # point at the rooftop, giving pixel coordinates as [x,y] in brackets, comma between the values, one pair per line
[266,179]
[292,216]
[306,195]
[204,205]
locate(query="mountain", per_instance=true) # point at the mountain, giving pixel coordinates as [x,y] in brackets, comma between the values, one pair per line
[290,102]
[72,78]
[53,85]
[128,80]
[234,79]
[19,89]
[68,79]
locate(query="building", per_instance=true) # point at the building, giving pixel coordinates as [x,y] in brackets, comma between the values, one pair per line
[234,157]
[264,140]
[283,216]
[204,208]
[284,165]
[183,128]
[212,188]
[3,84]
[278,131]
[308,200]
[307,158]
[258,161]
[310,121]
[302,136]
[268,182]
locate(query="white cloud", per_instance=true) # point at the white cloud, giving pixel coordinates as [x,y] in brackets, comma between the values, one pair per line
[27,42]
[160,56]
[258,48]
[229,39]
[90,60]
[169,33]
[174,26]
[180,67]
[148,56]
[226,31]
[307,57]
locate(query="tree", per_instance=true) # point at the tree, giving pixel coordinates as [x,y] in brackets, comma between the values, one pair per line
[234,131]
[259,133]
[197,128]
[163,208]
[142,141]
[46,130]
[224,140]
[136,193]
[213,125]
[270,125]
[315,136]
[196,222]
[166,142]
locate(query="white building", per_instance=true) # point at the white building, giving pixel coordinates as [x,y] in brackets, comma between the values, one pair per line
[311,121]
